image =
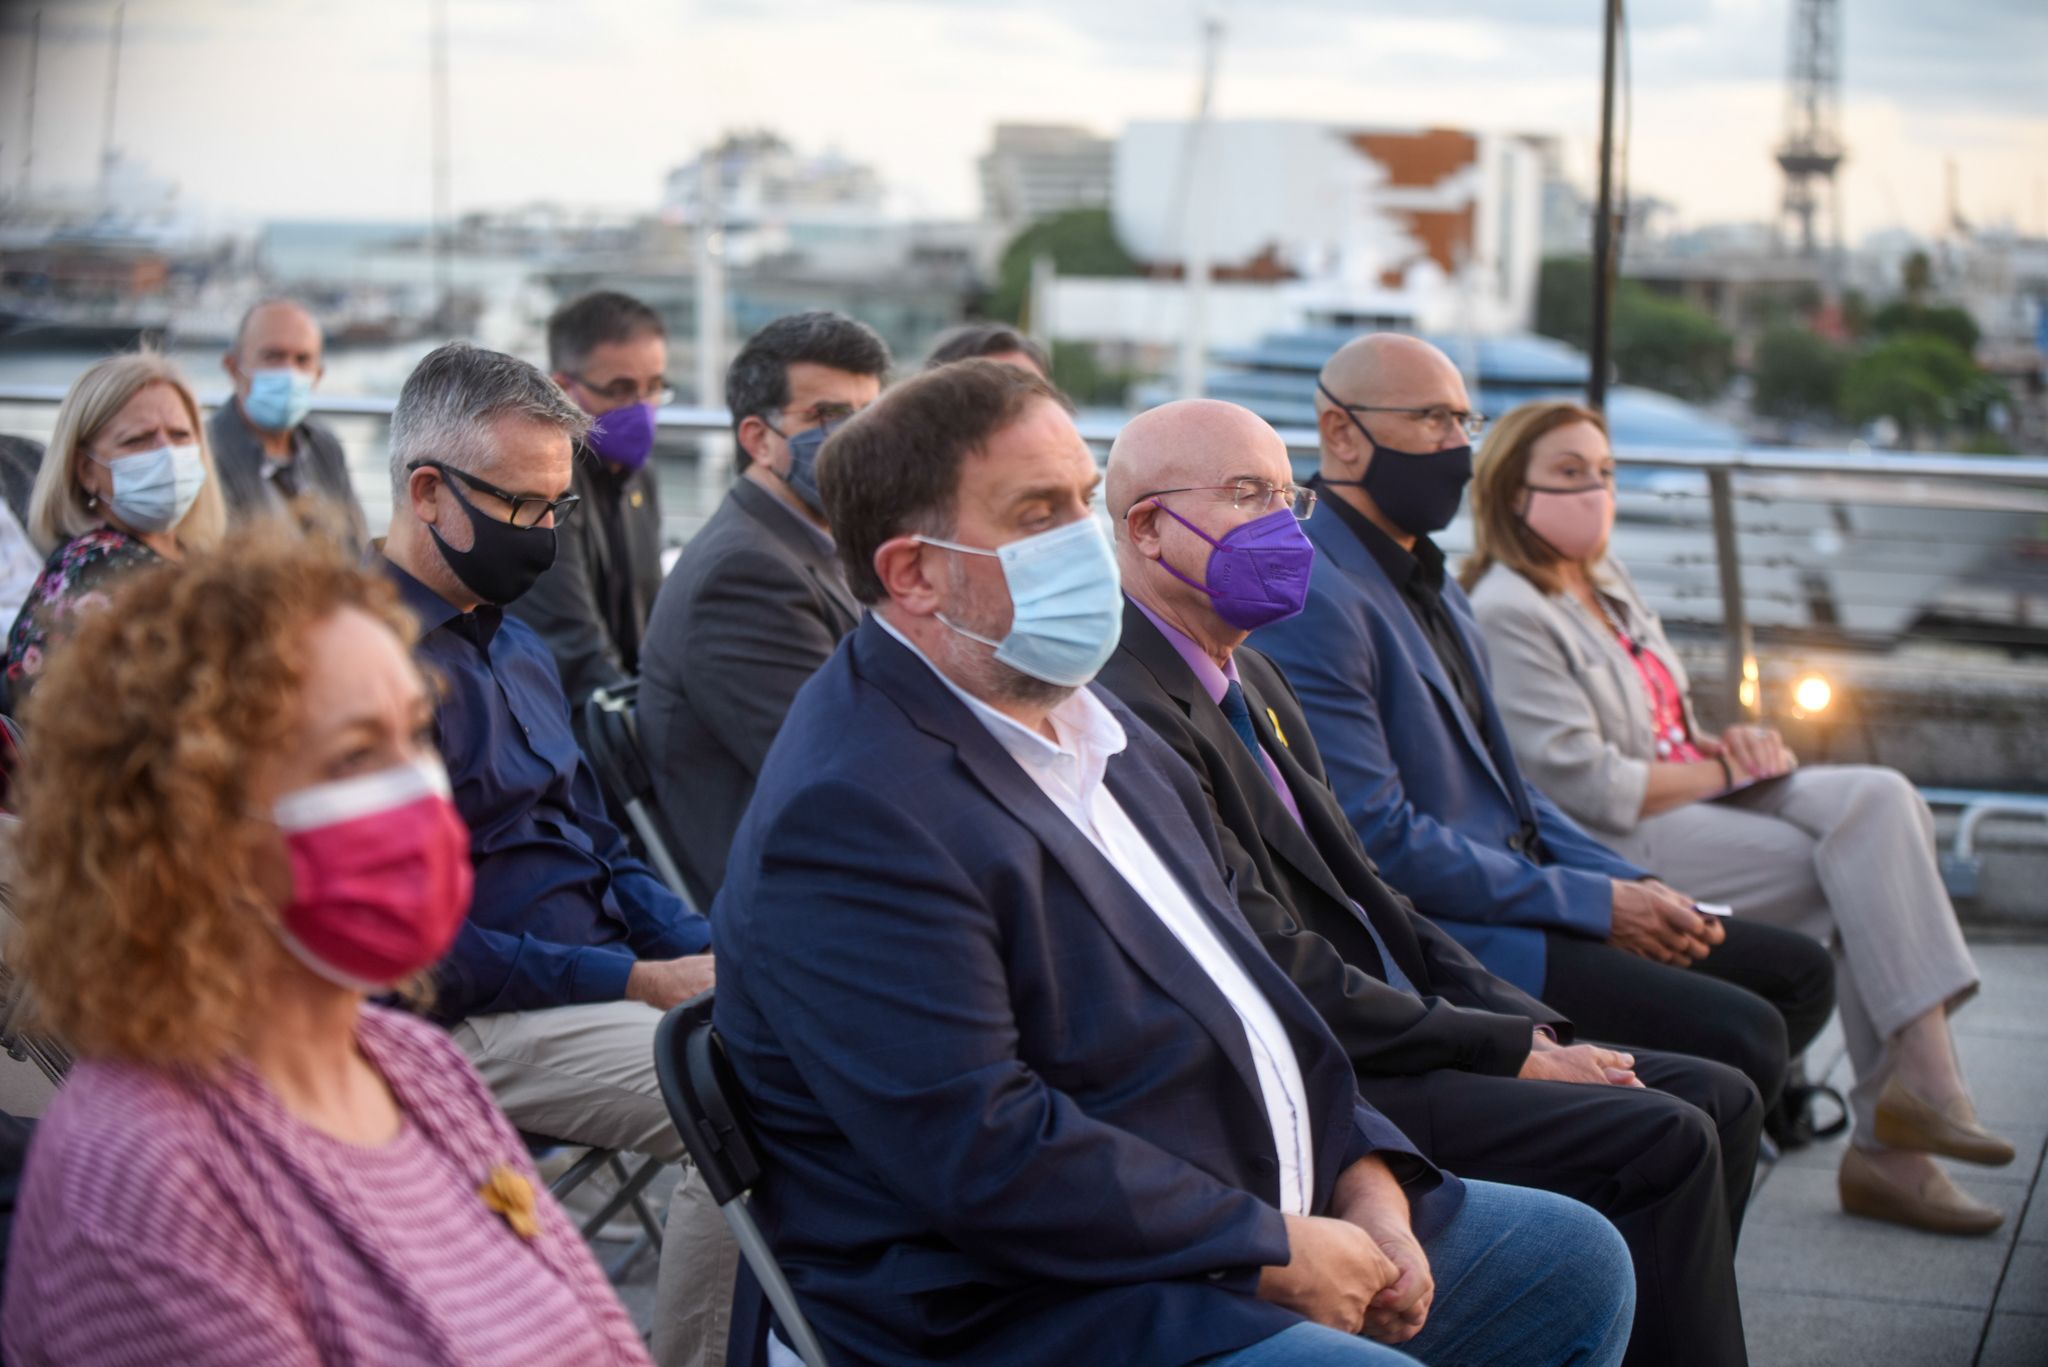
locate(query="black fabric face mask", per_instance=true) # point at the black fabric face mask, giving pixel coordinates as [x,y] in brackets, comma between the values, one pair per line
[503,561]
[1419,491]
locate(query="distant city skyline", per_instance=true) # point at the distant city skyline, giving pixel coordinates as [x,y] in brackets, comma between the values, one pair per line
[303,109]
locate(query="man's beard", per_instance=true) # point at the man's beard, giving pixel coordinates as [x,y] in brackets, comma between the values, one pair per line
[975,663]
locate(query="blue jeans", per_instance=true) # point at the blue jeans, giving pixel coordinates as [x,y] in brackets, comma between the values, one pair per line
[1523,1278]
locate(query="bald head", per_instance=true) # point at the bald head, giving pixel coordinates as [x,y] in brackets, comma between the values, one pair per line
[1391,369]
[1376,389]
[1190,444]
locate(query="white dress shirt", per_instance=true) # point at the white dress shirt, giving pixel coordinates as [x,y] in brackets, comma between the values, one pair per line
[1070,772]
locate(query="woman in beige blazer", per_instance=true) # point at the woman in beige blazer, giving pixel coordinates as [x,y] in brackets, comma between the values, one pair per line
[1595,702]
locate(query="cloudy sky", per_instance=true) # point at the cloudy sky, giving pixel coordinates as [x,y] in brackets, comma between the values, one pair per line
[311,108]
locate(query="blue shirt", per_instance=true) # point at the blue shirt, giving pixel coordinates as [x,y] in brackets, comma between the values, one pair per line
[562,907]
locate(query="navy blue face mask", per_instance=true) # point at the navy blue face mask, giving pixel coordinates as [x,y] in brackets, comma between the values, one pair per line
[803,466]
[1419,491]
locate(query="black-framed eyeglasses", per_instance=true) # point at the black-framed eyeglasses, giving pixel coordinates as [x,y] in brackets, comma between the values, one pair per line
[1256,494]
[824,413]
[528,510]
[626,389]
[1435,417]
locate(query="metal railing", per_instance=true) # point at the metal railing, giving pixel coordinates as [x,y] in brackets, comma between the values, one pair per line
[1773,497]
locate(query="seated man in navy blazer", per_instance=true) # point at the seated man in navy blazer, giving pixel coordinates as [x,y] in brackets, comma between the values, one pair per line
[1391,672]
[1481,1075]
[1028,1088]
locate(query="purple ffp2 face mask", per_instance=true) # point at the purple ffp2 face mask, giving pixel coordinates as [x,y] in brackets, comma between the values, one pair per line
[1257,573]
[624,436]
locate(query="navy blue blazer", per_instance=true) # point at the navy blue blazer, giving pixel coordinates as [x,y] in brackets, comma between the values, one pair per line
[1007,1118]
[1437,799]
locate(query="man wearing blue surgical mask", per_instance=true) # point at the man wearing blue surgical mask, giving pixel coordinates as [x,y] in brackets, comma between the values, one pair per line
[272,458]
[756,600]
[609,353]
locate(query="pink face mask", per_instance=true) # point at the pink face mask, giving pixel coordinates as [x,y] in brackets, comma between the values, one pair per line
[1573,522]
[380,875]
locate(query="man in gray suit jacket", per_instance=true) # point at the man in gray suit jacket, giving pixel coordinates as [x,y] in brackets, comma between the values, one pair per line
[757,601]
[271,458]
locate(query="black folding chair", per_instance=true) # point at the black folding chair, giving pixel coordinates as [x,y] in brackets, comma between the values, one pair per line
[711,1115]
[613,738]
[46,1052]
[630,1193]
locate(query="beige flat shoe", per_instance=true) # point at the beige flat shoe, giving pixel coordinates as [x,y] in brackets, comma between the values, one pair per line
[1939,1206]
[1905,1120]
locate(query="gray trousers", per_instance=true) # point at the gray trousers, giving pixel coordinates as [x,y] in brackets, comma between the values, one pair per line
[1844,853]
[585,1075]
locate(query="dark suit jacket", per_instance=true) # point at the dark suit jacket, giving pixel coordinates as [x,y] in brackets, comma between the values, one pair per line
[1433,793]
[1007,1118]
[591,606]
[753,606]
[323,472]
[1466,1018]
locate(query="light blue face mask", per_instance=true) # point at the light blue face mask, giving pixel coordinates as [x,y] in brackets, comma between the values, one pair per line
[155,489]
[1066,604]
[279,399]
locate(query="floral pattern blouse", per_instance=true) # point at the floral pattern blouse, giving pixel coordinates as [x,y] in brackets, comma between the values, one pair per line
[76,578]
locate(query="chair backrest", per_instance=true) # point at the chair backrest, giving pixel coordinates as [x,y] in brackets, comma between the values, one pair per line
[704,1099]
[613,739]
[46,1052]
[710,1114]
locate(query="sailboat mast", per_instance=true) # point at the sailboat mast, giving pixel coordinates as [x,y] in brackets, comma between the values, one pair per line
[113,87]
[443,229]
[710,275]
[1194,337]
[28,133]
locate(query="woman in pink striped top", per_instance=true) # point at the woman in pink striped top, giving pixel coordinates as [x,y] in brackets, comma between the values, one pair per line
[234,832]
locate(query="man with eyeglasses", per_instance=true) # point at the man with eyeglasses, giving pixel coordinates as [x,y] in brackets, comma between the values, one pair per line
[609,353]
[757,600]
[573,947]
[1392,674]
[1212,547]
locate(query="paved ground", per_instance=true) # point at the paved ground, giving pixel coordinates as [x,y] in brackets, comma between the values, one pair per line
[1820,1289]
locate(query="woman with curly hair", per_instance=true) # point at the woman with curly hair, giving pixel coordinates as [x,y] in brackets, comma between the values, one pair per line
[126,482]
[235,829]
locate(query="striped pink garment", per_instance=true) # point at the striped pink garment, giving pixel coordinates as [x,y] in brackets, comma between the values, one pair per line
[171,1220]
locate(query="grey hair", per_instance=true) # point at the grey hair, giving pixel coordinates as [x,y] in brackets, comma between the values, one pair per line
[453,396]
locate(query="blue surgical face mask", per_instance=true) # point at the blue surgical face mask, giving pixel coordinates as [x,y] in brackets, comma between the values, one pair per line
[155,489]
[279,399]
[1066,604]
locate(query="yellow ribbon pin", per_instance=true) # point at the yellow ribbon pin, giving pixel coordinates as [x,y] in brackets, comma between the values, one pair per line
[1274,718]
[510,1196]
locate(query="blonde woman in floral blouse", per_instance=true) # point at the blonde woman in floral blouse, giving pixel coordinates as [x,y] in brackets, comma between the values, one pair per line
[126,482]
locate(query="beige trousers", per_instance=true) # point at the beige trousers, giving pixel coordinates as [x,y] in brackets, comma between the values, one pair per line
[585,1075]
[1844,853]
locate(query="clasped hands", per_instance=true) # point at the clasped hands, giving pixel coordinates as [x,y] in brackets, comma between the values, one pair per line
[1359,1269]
[1550,1061]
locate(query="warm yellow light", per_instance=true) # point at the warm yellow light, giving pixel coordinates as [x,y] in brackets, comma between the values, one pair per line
[1812,694]
[1745,693]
